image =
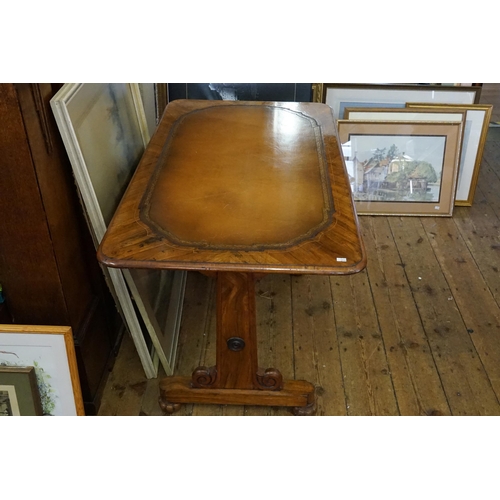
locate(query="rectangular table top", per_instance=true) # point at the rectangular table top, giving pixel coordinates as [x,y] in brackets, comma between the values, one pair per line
[239,186]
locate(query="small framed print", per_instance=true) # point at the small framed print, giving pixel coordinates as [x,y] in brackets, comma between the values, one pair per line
[402,168]
[19,394]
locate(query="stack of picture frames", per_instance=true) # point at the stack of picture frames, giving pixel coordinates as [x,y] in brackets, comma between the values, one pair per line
[105,131]
[409,149]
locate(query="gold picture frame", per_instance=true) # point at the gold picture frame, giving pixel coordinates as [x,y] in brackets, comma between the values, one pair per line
[402,168]
[477,121]
[51,351]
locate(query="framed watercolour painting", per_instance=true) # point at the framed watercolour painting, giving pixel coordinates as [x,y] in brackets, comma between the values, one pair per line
[105,132]
[402,168]
[349,95]
[51,352]
[477,120]
[19,395]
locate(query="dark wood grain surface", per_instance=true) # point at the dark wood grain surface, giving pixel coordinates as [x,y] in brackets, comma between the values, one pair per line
[239,186]
[48,268]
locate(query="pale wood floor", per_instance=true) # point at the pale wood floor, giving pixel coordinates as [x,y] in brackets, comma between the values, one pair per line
[416,333]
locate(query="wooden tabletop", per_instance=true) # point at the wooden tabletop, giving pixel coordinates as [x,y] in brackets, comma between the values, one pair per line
[239,186]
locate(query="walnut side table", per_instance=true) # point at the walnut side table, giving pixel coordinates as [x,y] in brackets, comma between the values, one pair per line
[238,189]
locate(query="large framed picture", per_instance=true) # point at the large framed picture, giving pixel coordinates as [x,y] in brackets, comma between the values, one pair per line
[349,95]
[402,168]
[50,351]
[105,132]
[19,395]
[477,120]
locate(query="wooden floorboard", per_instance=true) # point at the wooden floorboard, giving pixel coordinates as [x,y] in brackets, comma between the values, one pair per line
[490,94]
[316,351]
[416,333]
[416,380]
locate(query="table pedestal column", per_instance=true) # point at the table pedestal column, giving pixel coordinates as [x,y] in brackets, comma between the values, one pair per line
[236,377]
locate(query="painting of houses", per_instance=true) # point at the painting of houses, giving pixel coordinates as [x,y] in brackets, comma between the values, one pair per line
[394,168]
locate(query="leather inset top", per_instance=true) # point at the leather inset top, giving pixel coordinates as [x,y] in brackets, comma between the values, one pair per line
[240,177]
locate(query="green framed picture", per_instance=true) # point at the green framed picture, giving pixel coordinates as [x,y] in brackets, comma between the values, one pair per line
[19,394]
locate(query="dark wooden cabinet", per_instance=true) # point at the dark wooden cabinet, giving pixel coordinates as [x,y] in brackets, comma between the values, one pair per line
[48,266]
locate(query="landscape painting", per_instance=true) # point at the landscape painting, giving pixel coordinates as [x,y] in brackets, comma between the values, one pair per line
[402,168]
[396,168]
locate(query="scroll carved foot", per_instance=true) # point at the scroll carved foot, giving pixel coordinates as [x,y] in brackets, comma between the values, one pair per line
[304,411]
[168,408]
[270,379]
[204,377]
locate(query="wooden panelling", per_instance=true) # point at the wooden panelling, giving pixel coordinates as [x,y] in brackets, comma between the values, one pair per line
[48,268]
[27,263]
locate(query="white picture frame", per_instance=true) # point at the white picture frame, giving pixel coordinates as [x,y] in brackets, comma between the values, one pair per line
[105,132]
[51,351]
[341,96]
[149,101]
[477,121]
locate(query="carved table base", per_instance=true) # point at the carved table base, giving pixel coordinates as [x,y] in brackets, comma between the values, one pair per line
[236,378]
[298,394]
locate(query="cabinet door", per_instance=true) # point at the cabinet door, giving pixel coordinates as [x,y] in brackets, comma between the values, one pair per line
[48,267]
